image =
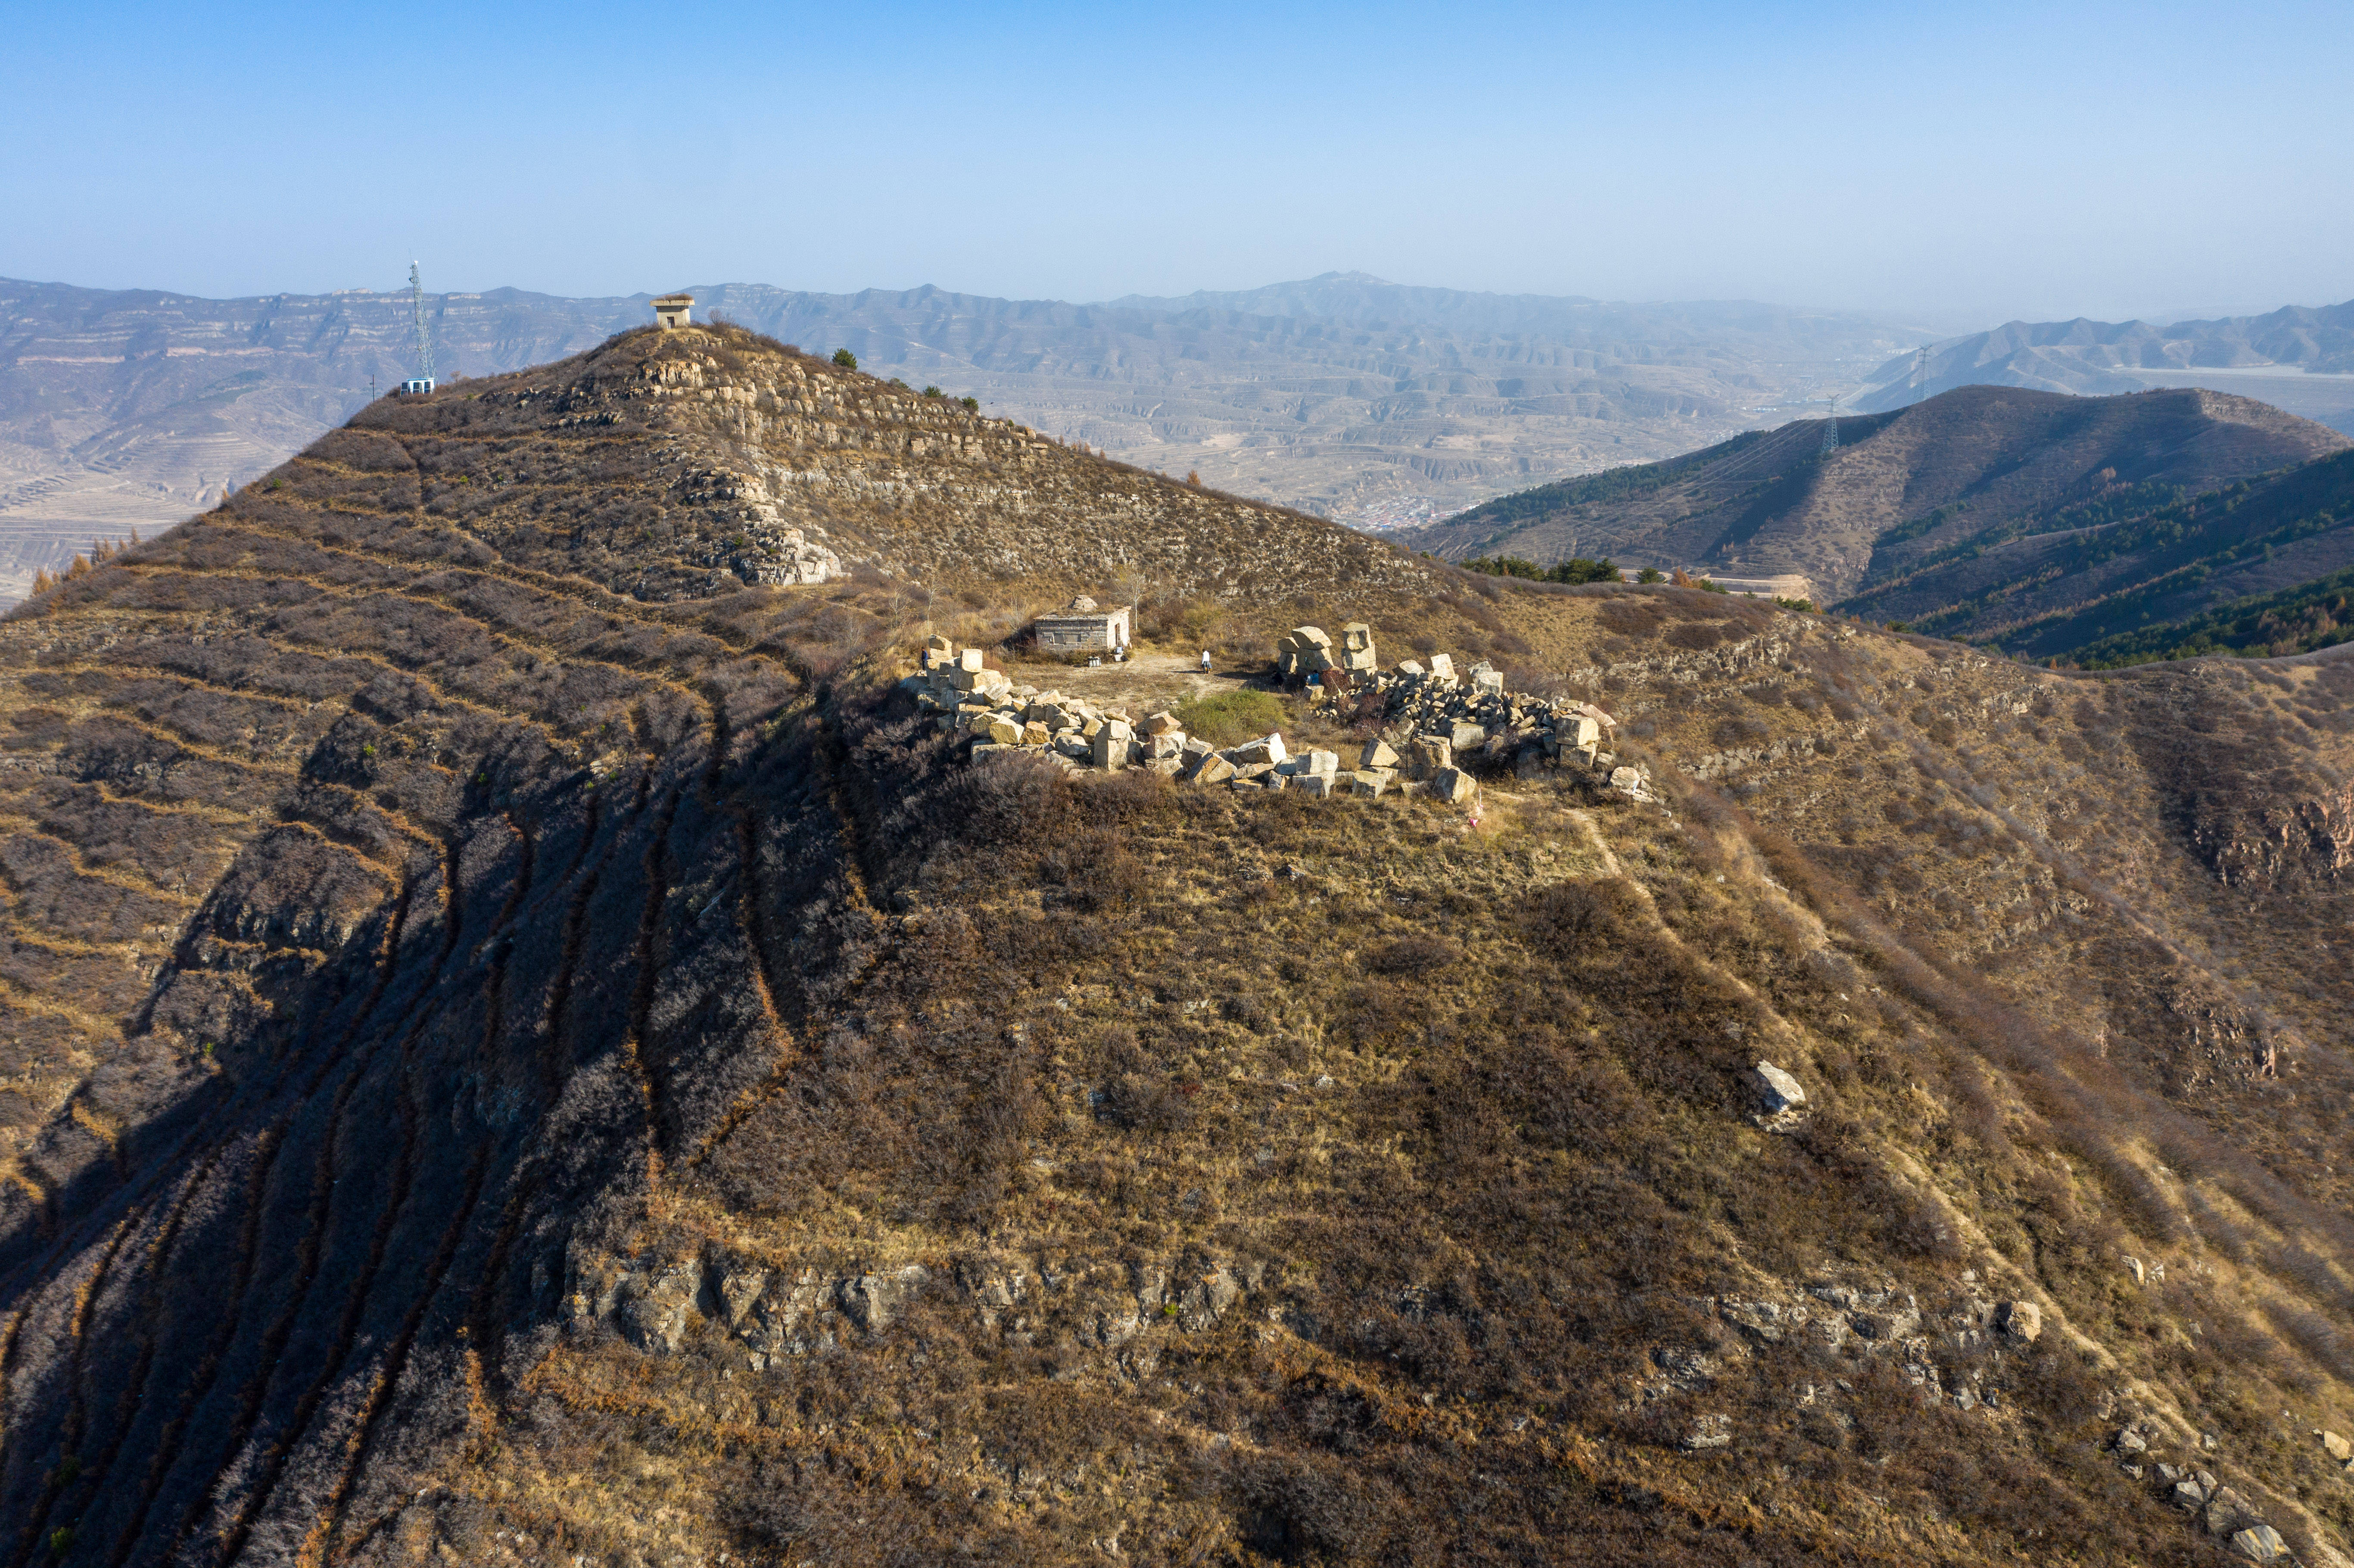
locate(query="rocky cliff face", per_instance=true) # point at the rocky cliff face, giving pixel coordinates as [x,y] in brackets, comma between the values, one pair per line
[527,1047]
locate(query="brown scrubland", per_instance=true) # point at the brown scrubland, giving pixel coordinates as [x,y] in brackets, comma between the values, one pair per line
[522,1047]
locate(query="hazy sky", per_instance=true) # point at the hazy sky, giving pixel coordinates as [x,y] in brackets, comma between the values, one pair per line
[1965,163]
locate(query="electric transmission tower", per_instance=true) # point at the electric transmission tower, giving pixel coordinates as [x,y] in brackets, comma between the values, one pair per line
[424,342]
[1830,428]
[1921,373]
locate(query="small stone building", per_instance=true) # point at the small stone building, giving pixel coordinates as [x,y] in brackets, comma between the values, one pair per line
[672,310]
[1085,629]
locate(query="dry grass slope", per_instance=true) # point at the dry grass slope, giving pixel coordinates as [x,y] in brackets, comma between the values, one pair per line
[524,1050]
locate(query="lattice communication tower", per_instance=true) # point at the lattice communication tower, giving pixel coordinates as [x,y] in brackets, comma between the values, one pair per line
[424,382]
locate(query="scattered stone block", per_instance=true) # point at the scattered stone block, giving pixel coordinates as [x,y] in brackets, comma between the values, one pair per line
[1316,786]
[970,661]
[1107,747]
[1303,650]
[1004,731]
[1378,754]
[2336,1448]
[1161,724]
[2228,1514]
[1323,762]
[1411,669]
[1267,748]
[1442,667]
[1778,1089]
[1214,769]
[1369,782]
[2259,1543]
[1035,734]
[1708,1432]
[1467,738]
[2021,1320]
[1426,754]
[1163,746]
[1453,786]
[1573,731]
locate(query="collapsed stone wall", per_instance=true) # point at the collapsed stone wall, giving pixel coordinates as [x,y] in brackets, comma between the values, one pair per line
[1439,730]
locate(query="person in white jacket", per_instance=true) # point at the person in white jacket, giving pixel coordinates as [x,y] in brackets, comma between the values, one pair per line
[1206,661]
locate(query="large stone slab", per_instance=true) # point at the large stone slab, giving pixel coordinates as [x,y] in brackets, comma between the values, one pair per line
[1453,786]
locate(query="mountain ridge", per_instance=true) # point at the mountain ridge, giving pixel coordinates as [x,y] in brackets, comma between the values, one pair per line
[2086,356]
[1899,486]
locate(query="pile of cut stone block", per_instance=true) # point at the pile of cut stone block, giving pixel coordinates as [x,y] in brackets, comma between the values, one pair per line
[972,699]
[1441,720]
[1307,650]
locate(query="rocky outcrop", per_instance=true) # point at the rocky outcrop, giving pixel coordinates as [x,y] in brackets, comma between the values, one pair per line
[765,1313]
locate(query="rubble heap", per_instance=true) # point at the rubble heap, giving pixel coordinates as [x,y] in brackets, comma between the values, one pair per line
[1440,728]
[1473,722]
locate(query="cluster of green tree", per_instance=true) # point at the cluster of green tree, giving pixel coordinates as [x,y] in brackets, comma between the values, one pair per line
[1576,569]
[2318,614]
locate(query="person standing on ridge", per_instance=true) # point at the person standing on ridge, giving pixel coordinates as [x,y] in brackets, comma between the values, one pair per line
[1206,661]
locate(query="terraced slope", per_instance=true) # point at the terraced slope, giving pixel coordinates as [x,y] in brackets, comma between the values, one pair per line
[343,830]
[575,1069]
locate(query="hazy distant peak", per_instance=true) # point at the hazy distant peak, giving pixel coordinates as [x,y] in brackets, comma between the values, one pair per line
[2087,356]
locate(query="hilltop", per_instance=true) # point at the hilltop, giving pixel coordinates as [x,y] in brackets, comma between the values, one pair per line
[529,1046]
[1900,488]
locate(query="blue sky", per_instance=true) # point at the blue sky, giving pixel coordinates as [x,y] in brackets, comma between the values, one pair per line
[1967,164]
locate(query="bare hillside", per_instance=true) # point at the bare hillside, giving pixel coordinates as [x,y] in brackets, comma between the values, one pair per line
[525,1046]
[1899,487]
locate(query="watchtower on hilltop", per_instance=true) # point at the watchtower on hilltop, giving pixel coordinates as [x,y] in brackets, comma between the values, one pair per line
[672,310]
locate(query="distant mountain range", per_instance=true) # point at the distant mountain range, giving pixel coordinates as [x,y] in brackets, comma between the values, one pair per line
[2096,357]
[1370,402]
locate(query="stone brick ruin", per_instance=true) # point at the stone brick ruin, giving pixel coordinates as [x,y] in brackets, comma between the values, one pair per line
[1442,720]
[1438,727]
